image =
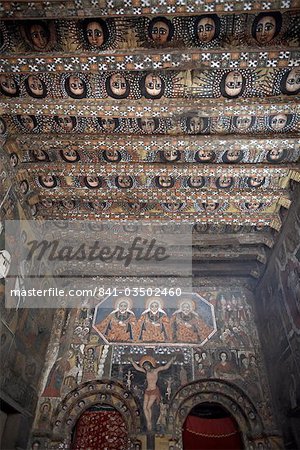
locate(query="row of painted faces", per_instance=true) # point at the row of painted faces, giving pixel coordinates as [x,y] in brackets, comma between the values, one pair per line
[189,125]
[151,85]
[160,181]
[160,30]
[127,206]
[114,156]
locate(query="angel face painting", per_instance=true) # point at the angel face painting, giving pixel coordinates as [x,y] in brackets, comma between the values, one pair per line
[205,156]
[148,125]
[173,207]
[232,84]
[48,181]
[75,87]
[68,204]
[207,28]
[160,30]
[28,122]
[111,155]
[92,182]
[243,123]
[195,124]
[196,182]
[108,124]
[170,155]
[95,32]
[253,206]
[153,86]
[210,206]
[164,181]
[66,123]
[290,83]
[14,159]
[224,182]
[266,26]
[124,181]
[24,187]
[8,86]
[35,87]
[40,155]
[232,156]
[278,122]
[69,155]
[255,181]
[39,35]
[276,155]
[117,86]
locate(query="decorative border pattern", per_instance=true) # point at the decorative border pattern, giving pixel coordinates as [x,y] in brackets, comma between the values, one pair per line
[90,8]
[206,59]
[130,108]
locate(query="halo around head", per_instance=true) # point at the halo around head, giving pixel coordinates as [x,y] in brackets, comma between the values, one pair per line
[154,299]
[149,359]
[123,299]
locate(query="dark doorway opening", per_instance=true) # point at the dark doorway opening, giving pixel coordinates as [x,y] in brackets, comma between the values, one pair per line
[209,426]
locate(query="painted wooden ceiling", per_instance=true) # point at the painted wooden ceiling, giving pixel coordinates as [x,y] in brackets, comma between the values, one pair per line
[183,111]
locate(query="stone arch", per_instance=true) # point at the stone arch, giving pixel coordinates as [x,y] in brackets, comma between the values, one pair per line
[227,395]
[87,395]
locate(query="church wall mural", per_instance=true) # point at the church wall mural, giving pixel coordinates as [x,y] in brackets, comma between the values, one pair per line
[277,305]
[207,335]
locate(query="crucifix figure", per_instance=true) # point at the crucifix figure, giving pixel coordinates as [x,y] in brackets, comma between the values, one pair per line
[152,393]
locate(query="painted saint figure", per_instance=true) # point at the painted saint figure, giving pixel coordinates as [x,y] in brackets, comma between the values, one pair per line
[120,324]
[186,324]
[154,324]
[152,394]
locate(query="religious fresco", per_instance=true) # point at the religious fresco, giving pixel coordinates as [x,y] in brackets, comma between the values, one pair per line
[192,84]
[190,125]
[155,319]
[154,149]
[151,371]
[85,98]
[206,31]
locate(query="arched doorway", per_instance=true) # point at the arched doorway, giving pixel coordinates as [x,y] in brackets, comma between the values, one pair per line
[100,427]
[209,426]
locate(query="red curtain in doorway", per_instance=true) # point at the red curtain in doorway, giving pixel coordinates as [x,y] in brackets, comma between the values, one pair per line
[211,434]
[105,430]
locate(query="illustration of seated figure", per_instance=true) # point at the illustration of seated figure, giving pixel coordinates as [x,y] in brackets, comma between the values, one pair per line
[120,324]
[186,324]
[154,324]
